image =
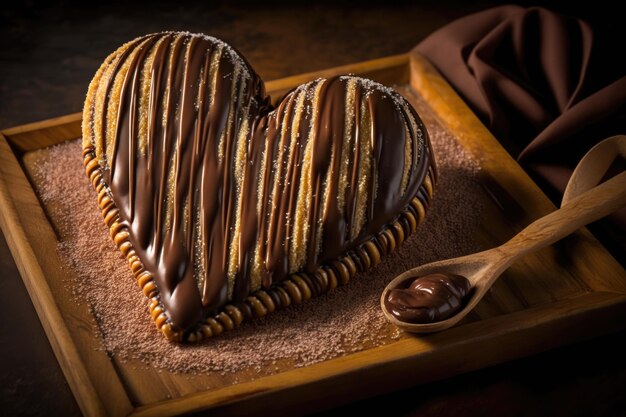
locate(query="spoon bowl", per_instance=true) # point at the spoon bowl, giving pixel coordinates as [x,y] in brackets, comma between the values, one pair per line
[478,268]
[583,203]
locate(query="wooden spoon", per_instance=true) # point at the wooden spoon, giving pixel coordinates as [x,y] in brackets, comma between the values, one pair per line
[582,204]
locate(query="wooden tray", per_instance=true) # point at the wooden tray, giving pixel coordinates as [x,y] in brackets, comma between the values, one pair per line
[576,290]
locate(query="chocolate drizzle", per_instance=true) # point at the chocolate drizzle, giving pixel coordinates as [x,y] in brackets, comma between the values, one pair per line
[224,195]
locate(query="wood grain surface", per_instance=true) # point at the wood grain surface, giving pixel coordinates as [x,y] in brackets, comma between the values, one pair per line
[563,303]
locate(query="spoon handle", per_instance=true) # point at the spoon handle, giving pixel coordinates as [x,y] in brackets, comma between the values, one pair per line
[575,213]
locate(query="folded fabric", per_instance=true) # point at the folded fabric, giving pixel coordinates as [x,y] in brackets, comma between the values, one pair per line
[544,84]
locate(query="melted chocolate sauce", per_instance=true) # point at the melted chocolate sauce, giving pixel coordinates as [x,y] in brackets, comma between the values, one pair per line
[428,299]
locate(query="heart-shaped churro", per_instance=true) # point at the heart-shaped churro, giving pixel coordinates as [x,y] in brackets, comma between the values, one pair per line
[228,208]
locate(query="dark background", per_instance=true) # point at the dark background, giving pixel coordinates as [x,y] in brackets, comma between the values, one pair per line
[50,51]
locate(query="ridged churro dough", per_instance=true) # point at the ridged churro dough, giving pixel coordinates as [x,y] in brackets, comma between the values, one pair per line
[228,208]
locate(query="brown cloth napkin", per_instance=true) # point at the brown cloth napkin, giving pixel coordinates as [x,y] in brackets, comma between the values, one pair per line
[545,85]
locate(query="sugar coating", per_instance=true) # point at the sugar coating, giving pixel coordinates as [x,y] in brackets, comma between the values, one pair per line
[300,227]
[364,165]
[347,141]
